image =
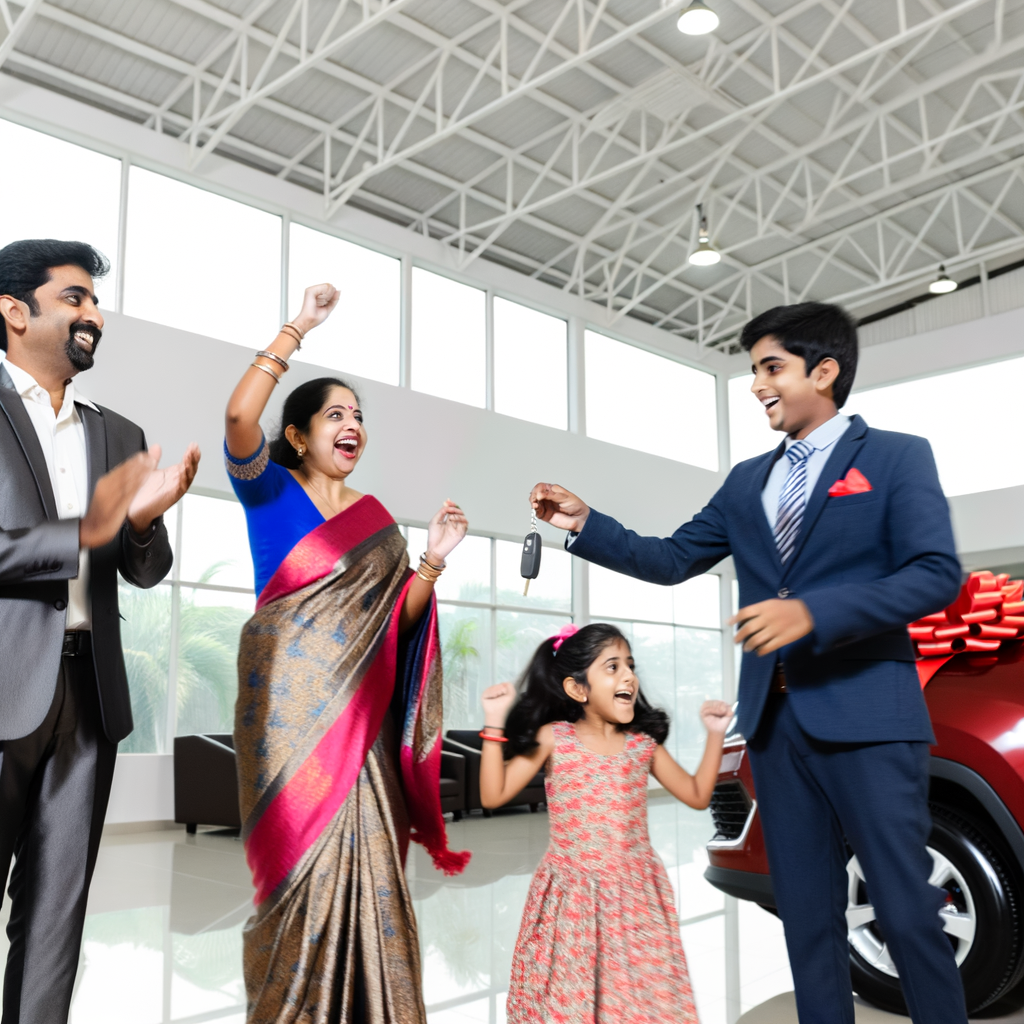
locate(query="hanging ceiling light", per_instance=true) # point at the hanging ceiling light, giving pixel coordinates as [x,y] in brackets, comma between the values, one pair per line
[943,283]
[697,20]
[703,255]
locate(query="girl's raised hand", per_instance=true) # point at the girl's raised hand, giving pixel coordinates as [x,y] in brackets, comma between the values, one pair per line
[445,531]
[716,715]
[497,700]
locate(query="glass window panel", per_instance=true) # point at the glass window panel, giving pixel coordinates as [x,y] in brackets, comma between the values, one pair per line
[698,678]
[552,589]
[530,365]
[696,602]
[448,339]
[466,657]
[644,401]
[363,334]
[749,431]
[214,542]
[615,596]
[62,191]
[519,635]
[200,262]
[146,641]
[923,407]
[207,677]
[468,575]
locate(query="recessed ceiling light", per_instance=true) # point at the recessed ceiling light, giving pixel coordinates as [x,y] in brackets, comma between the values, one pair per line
[943,283]
[697,20]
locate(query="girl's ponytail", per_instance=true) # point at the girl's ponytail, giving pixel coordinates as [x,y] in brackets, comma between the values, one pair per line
[542,697]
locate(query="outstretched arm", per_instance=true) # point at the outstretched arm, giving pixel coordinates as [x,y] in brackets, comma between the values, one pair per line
[249,399]
[693,549]
[695,790]
[501,780]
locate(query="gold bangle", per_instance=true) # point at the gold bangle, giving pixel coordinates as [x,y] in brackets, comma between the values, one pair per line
[283,363]
[267,369]
[427,572]
[293,333]
[438,568]
[290,324]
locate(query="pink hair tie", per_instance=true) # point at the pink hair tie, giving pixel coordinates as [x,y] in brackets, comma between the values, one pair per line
[563,634]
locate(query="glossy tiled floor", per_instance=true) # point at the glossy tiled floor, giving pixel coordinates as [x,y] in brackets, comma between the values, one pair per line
[163,936]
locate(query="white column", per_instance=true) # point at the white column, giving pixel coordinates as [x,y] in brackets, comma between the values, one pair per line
[405,357]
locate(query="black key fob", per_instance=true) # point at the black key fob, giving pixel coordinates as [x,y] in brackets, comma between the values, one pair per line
[529,564]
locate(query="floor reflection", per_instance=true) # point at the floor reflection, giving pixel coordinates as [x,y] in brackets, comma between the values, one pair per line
[163,935]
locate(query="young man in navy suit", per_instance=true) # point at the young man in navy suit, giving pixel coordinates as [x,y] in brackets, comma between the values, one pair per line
[840,537]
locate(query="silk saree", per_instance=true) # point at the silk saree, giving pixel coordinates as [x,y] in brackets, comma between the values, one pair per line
[338,742]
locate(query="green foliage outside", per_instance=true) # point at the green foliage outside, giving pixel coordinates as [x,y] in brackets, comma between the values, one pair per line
[206,663]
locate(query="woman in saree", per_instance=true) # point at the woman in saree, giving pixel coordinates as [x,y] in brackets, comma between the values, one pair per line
[338,719]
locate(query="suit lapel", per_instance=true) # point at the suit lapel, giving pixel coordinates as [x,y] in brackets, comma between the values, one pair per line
[843,453]
[21,423]
[95,444]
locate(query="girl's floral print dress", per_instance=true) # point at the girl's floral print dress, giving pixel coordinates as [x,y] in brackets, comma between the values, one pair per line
[599,942]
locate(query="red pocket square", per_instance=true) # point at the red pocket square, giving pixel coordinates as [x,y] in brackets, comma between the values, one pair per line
[855,483]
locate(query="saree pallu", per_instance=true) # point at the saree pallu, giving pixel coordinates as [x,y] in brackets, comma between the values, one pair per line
[338,737]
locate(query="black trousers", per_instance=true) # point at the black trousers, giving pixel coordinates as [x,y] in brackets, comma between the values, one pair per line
[814,795]
[54,786]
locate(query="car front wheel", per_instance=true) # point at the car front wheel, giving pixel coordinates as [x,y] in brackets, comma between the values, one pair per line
[982,918]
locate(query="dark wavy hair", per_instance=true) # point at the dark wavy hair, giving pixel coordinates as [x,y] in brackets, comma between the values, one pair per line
[299,409]
[543,699]
[813,331]
[26,265]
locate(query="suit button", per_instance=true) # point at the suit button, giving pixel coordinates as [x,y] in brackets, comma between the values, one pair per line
[60,605]
[784,593]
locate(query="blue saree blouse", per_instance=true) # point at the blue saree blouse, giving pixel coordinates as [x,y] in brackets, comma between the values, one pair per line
[278,512]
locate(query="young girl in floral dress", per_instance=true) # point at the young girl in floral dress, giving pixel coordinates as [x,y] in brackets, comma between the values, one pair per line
[599,941]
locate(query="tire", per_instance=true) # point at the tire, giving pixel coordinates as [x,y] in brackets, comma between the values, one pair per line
[982,917]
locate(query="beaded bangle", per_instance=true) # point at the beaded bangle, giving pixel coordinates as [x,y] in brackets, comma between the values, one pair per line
[497,739]
[267,369]
[283,363]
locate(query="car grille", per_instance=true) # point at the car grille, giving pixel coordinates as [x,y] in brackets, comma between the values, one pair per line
[730,806]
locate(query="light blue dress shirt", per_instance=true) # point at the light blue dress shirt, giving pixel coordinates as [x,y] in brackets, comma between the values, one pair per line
[823,439]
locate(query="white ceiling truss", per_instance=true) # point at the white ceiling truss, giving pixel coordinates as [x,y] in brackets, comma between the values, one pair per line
[842,148]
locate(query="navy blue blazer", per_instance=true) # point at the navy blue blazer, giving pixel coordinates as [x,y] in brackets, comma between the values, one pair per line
[864,564]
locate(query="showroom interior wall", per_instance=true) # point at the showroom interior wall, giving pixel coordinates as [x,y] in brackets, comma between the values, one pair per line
[424,448]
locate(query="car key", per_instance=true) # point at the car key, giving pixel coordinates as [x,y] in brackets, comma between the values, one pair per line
[529,564]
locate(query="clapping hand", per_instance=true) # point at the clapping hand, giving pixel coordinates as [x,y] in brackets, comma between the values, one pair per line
[497,700]
[445,531]
[716,715]
[162,488]
[318,303]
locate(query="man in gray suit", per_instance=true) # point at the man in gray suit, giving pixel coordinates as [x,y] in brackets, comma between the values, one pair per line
[81,499]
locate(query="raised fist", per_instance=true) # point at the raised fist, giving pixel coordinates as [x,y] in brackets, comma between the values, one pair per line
[318,302]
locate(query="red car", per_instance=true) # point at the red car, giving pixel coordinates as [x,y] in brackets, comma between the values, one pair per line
[976,701]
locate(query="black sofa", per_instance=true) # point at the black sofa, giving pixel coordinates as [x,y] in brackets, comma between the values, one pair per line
[468,743]
[206,783]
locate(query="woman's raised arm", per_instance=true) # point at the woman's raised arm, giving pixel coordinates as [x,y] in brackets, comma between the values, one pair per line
[247,402]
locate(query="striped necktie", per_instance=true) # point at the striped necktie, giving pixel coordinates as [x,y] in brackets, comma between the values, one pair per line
[792,499]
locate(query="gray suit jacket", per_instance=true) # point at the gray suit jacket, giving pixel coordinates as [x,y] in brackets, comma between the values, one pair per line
[39,554]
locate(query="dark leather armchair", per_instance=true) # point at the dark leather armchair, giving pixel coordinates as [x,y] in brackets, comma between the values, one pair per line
[453,783]
[468,743]
[205,781]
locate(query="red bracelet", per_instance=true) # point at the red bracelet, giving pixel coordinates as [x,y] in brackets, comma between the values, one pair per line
[497,739]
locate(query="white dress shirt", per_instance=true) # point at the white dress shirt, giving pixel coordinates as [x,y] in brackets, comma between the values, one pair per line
[823,439]
[62,438]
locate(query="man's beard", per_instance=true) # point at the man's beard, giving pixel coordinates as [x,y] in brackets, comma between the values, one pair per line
[79,358]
